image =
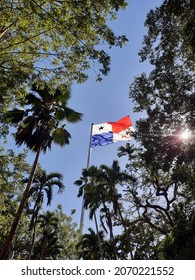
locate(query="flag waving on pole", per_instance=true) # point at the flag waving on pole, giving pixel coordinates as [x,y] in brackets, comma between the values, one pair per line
[111,132]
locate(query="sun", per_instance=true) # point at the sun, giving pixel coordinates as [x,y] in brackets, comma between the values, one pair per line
[185,135]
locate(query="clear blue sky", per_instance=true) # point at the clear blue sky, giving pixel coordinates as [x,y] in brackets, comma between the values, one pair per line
[100,102]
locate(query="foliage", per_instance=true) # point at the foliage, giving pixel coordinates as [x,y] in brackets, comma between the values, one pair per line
[40,123]
[49,240]
[69,235]
[157,205]
[43,184]
[164,165]
[166,94]
[54,40]
[13,168]
[180,243]
[100,189]
[56,235]
[88,246]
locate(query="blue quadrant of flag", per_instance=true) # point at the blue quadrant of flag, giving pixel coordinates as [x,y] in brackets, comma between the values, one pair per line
[102,139]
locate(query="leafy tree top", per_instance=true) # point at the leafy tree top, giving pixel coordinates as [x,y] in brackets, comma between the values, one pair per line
[56,39]
[40,123]
[166,93]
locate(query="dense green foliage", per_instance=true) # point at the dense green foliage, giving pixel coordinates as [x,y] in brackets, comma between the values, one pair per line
[14,171]
[166,94]
[54,39]
[166,97]
[13,168]
[39,123]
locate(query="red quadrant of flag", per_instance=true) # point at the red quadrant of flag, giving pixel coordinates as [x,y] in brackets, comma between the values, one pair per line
[121,124]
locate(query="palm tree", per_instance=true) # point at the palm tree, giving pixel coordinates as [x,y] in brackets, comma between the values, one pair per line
[88,247]
[49,245]
[38,125]
[43,183]
[112,178]
[92,185]
[128,150]
[100,188]
[88,189]
[88,186]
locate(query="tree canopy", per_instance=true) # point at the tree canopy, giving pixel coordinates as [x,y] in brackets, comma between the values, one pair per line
[55,40]
[166,93]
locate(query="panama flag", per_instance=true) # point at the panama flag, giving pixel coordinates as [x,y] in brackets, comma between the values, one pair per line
[111,132]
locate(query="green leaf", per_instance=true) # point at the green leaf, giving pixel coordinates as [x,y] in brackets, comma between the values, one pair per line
[61,136]
[14,116]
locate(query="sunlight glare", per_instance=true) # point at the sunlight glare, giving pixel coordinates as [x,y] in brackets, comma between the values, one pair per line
[185,135]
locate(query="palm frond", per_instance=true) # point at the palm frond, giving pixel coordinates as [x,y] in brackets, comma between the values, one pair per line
[57,183]
[78,183]
[39,124]
[14,116]
[69,114]
[61,136]
[52,175]
[63,94]
[33,100]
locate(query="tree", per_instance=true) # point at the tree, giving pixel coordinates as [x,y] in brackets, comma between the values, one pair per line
[143,241]
[165,163]
[113,177]
[180,243]
[37,127]
[99,187]
[69,235]
[89,188]
[13,168]
[49,245]
[43,184]
[166,94]
[88,247]
[54,39]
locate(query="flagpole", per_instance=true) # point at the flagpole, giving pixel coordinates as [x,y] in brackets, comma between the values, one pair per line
[88,164]
[83,209]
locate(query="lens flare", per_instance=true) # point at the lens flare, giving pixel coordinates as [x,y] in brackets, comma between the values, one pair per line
[185,135]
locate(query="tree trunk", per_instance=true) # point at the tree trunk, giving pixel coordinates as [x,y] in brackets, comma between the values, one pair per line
[44,248]
[98,235]
[112,239]
[32,242]
[33,237]
[8,241]
[125,230]
[34,223]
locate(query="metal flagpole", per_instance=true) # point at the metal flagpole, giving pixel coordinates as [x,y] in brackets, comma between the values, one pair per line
[88,163]
[83,209]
